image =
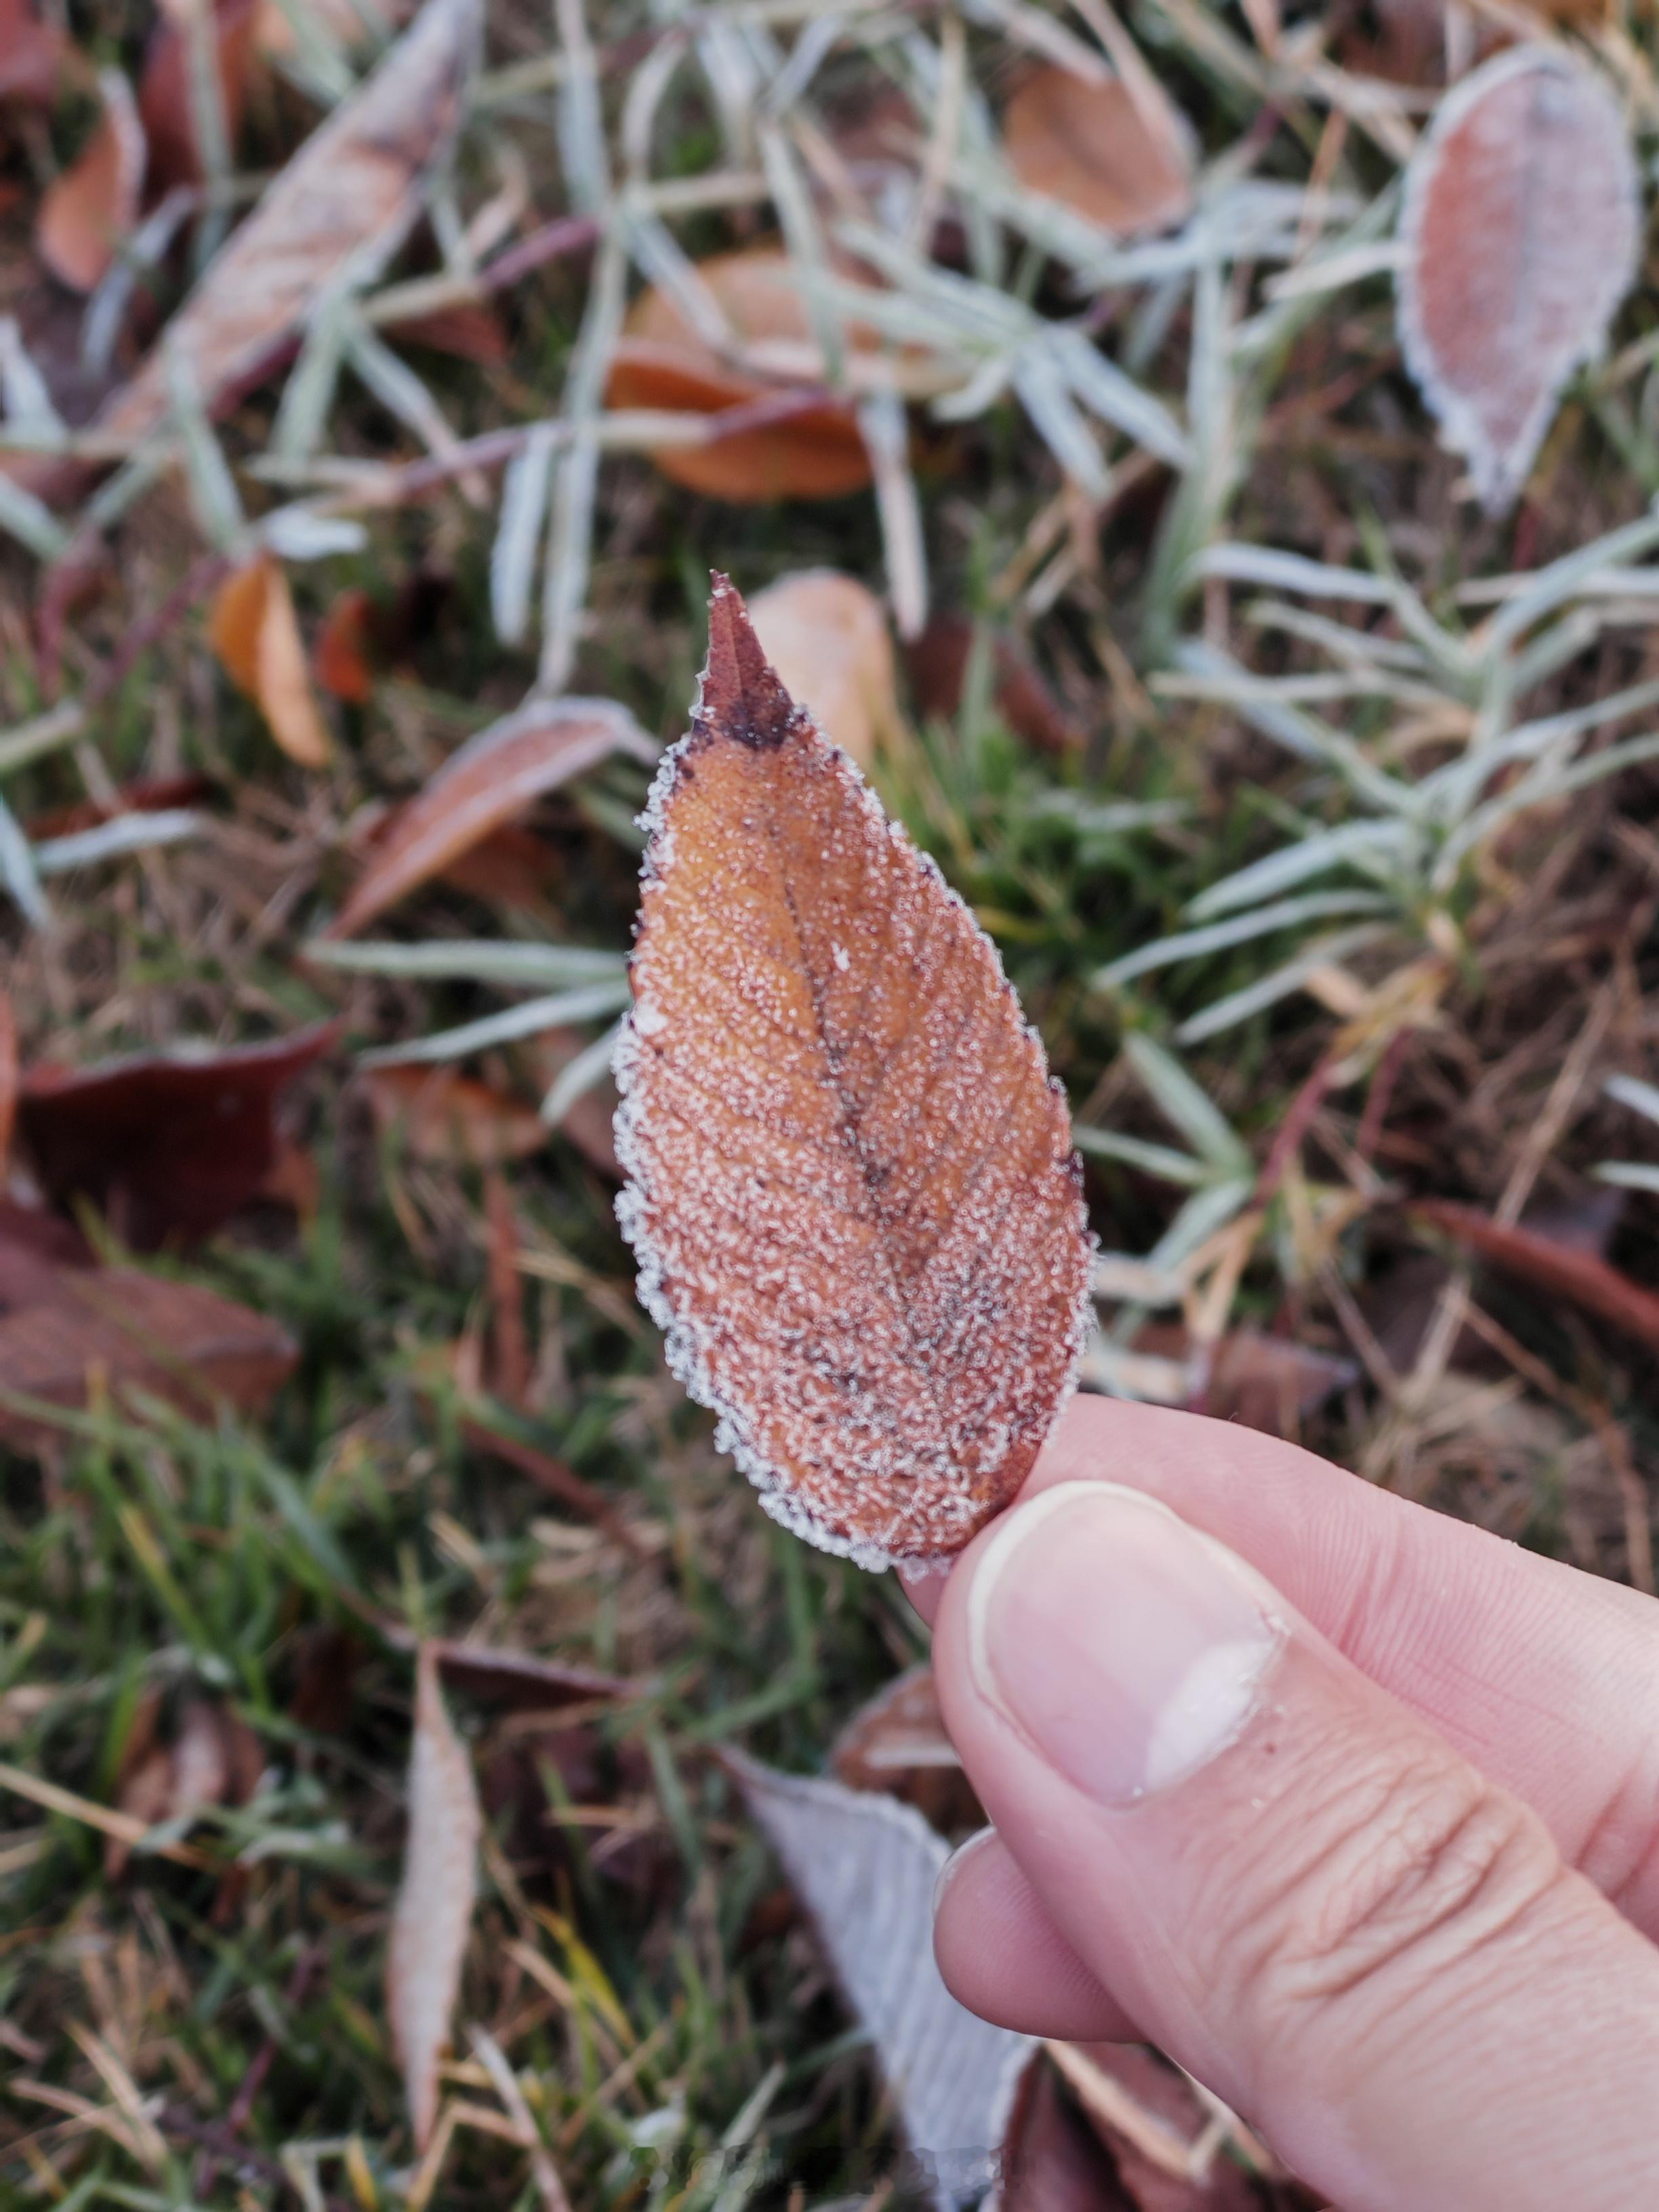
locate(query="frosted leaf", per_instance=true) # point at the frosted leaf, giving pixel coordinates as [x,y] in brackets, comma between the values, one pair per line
[1519,235]
[852,1192]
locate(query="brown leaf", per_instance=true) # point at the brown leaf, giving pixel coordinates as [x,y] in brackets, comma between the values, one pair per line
[523,1681]
[938,668]
[143,794]
[1518,236]
[164,96]
[120,1331]
[342,207]
[448,1119]
[1092,146]
[433,1916]
[896,1743]
[256,634]
[8,1081]
[91,206]
[212,1758]
[852,1195]
[1159,2133]
[1052,2160]
[472,331]
[1590,1282]
[341,662]
[492,777]
[826,636]
[167,1146]
[662,362]
[866,1869]
[31,54]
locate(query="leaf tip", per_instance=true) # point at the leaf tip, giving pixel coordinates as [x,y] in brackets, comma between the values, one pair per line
[742,697]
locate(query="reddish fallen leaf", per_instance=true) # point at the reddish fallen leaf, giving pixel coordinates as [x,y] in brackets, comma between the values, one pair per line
[341,660]
[521,1680]
[938,661]
[853,1195]
[492,777]
[1519,235]
[1052,2159]
[89,209]
[123,1334]
[1092,146]
[144,794]
[31,54]
[433,1916]
[165,1147]
[662,362]
[866,1869]
[1590,1282]
[510,1363]
[511,868]
[473,331]
[591,1123]
[8,1079]
[826,635]
[340,209]
[448,1119]
[209,1757]
[896,1743]
[164,96]
[256,634]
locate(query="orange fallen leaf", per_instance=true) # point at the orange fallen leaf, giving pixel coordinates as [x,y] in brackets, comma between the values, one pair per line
[492,777]
[89,209]
[164,96]
[852,1191]
[448,1120]
[662,362]
[343,206]
[1519,235]
[826,636]
[341,662]
[1093,146]
[31,54]
[433,1916]
[256,634]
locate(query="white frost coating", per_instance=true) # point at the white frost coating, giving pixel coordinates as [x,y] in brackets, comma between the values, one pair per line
[690,1340]
[1565,333]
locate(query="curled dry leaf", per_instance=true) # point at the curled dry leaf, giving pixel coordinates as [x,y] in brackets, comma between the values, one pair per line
[866,1869]
[1094,146]
[826,636]
[333,218]
[853,1195]
[1518,238]
[89,209]
[433,1916]
[660,361]
[492,777]
[166,1146]
[256,634]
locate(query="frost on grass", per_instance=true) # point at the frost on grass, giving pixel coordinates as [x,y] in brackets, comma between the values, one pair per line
[1519,236]
[851,1190]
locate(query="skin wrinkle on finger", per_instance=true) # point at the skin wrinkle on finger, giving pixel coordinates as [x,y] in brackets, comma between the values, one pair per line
[1547,1677]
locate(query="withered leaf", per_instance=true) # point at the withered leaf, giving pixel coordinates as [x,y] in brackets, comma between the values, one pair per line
[164,103]
[8,1080]
[433,1916]
[851,1196]
[256,634]
[92,205]
[938,661]
[448,1120]
[1518,238]
[865,1867]
[1589,1281]
[827,638]
[335,217]
[492,777]
[168,1146]
[31,53]
[1093,146]
[209,1757]
[896,1742]
[660,361]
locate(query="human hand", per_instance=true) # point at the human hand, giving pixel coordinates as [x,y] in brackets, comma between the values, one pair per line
[1357,1818]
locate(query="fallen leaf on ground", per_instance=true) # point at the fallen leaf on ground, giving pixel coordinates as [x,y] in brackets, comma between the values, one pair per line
[866,1868]
[521,1680]
[1092,146]
[144,794]
[1592,1283]
[256,634]
[8,1081]
[826,636]
[31,54]
[448,1119]
[853,1196]
[494,776]
[938,662]
[339,210]
[589,1123]
[472,331]
[1165,2144]
[1052,2159]
[660,361]
[433,1916]
[91,206]
[165,1146]
[896,1743]
[209,1756]
[342,662]
[165,104]
[1519,234]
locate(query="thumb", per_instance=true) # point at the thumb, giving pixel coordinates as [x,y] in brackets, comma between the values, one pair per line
[1294,1886]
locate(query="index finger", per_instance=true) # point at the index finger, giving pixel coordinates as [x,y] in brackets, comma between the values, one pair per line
[1547,1677]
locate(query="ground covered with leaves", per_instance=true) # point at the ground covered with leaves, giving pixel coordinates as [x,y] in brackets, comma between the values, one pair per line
[369,434]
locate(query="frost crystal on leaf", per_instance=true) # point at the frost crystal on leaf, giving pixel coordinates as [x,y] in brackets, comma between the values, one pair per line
[851,1188]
